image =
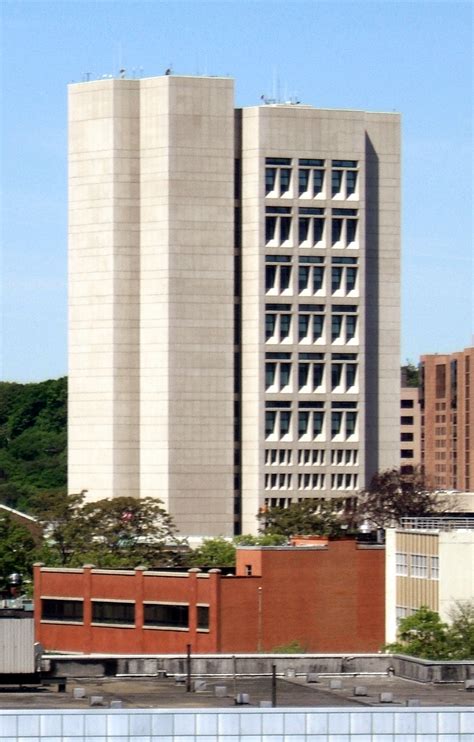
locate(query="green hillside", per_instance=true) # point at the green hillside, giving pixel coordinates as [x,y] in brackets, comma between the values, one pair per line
[33,437]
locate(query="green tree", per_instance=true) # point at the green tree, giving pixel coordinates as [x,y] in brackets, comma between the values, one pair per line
[422,634]
[392,496]
[117,532]
[316,517]
[17,549]
[461,630]
[411,374]
[213,552]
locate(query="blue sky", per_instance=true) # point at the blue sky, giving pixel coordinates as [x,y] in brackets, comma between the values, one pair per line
[412,57]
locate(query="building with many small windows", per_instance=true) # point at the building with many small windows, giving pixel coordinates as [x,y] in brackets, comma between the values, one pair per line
[447,409]
[234,299]
[410,429]
[429,562]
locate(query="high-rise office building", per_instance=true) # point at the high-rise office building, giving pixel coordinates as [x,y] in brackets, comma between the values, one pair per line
[447,407]
[234,299]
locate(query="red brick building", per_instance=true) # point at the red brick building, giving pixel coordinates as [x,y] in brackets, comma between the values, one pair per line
[447,409]
[328,597]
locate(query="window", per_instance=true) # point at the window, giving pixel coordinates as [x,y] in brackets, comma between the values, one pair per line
[278,481]
[434,567]
[406,437]
[311,456]
[277,375]
[277,225]
[309,481]
[344,176]
[202,617]
[419,565]
[406,420]
[113,612]
[440,377]
[343,323]
[407,404]
[310,420]
[277,274]
[277,176]
[310,178]
[57,609]
[343,371]
[310,322]
[344,456]
[310,372]
[310,227]
[406,453]
[166,615]
[343,420]
[401,563]
[343,481]
[344,227]
[277,420]
[310,275]
[277,322]
[278,456]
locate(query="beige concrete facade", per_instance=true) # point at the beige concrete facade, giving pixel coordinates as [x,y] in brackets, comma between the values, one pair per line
[410,429]
[216,257]
[427,566]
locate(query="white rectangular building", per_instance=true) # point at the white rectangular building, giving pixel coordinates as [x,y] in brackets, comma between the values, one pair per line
[234,299]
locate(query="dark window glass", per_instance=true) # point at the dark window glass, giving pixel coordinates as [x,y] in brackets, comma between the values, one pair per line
[303,370]
[303,181]
[407,404]
[278,160]
[285,371]
[351,278]
[406,437]
[351,324]
[203,616]
[270,275]
[303,326]
[303,277]
[311,162]
[351,373]
[336,421]
[351,230]
[270,370]
[351,181]
[440,381]
[318,373]
[121,613]
[336,230]
[270,228]
[285,225]
[270,417]
[406,420]
[285,179]
[406,453]
[344,163]
[351,419]
[285,276]
[336,278]
[270,322]
[318,230]
[303,229]
[166,615]
[318,324]
[318,278]
[336,374]
[318,181]
[318,420]
[285,419]
[61,610]
[336,182]
[303,420]
[336,326]
[285,324]
[270,177]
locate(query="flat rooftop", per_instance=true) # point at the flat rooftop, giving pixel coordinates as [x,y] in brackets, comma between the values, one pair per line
[166,693]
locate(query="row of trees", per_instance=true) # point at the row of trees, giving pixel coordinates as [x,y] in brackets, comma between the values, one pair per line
[423,634]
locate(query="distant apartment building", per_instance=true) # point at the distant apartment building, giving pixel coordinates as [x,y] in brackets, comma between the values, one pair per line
[447,414]
[429,562]
[410,429]
[234,299]
[328,597]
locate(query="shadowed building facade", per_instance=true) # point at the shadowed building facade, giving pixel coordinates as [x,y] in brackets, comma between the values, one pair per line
[234,299]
